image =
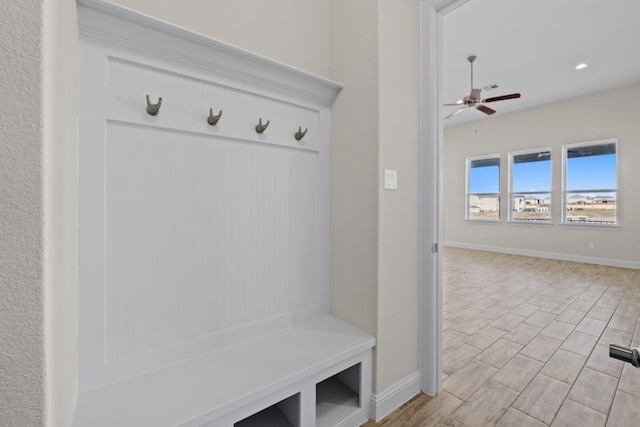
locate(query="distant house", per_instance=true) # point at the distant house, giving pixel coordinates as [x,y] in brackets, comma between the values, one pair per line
[577,200]
[604,200]
[484,204]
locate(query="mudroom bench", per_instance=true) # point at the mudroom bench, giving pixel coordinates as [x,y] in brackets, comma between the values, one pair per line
[310,374]
[203,261]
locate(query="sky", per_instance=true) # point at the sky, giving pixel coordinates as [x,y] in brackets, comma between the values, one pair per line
[583,173]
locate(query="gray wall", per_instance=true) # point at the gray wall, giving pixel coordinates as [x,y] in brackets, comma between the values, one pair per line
[608,114]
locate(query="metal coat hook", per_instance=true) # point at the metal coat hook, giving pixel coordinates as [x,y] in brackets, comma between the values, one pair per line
[262,127]
[153,109]
[213,120]
[300,134]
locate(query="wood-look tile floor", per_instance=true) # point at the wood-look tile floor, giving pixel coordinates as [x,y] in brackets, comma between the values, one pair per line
[526,343]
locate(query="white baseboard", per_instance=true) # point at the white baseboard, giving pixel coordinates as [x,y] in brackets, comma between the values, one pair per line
[550,255]
[382,404]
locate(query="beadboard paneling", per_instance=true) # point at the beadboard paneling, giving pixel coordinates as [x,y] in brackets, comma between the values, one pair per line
[193,237]
[203,235]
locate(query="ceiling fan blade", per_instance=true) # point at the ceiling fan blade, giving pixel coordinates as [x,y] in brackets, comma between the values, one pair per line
[502,98]
[475,94]
[485,109]
[452,105]
[455,112]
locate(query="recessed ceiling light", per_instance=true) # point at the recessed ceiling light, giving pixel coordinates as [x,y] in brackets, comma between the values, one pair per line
[582,66]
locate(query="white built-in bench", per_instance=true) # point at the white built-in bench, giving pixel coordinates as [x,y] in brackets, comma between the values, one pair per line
[311,372]
[203,244]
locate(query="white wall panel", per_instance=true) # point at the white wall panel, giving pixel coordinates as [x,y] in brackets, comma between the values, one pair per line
[203,234]
[194,237]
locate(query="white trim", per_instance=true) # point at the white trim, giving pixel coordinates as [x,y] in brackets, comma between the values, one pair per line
[384,403]
[129,29]
[550,255]
[565,191]
[431,206]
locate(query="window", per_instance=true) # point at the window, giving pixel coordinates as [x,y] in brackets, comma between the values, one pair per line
[590,184]
[483,188]
[530,186]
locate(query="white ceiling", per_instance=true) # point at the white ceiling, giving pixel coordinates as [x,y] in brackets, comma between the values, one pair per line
[533,46]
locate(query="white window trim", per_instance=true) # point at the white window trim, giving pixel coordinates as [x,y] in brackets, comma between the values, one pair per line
[565,222]
[510,192]
[467,193]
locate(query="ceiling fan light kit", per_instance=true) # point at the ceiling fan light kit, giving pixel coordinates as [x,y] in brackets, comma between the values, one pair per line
[473,100]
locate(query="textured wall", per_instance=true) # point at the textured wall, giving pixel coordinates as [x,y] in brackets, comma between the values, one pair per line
[21,251]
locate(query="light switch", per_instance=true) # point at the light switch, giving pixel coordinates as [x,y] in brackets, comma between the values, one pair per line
[390,179]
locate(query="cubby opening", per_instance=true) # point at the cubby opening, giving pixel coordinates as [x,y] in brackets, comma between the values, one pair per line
[285,413]
[338,397]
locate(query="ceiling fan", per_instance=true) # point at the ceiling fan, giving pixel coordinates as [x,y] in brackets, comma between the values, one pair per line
[473,100]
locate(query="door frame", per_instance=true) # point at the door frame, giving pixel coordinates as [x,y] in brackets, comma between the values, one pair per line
[431,191]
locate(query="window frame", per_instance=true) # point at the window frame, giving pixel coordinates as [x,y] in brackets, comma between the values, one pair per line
[468,194]
[566,191]
[511,192]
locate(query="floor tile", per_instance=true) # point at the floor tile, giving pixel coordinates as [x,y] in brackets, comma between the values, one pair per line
[557,330]
[456,305]
[564,366]
[499,353]
[512,302]
[518,372]
[630,380]
[591,326]
[540,319]
[541,348]
[513,417]
[565,297]
[525,309]
[579,343]
[565,314]
[581,305]
[542,398]
[486,406]
[539,300]
[614,336]
[452,337]
[494,312]
[471,326]
[625,410]
[554,307]
[507,322]
[523,333]
[629,308]
[457,356]
[572,316]
[601,362]
[501,294]
[463,315]
[464,382]
[601,313]
[623,323]
[573,414]
[484,337]
[594,389]
[590,296]
[435,411]
[527,293]
[483,303]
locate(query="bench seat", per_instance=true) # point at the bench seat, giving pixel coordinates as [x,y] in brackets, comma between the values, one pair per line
[226,386]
